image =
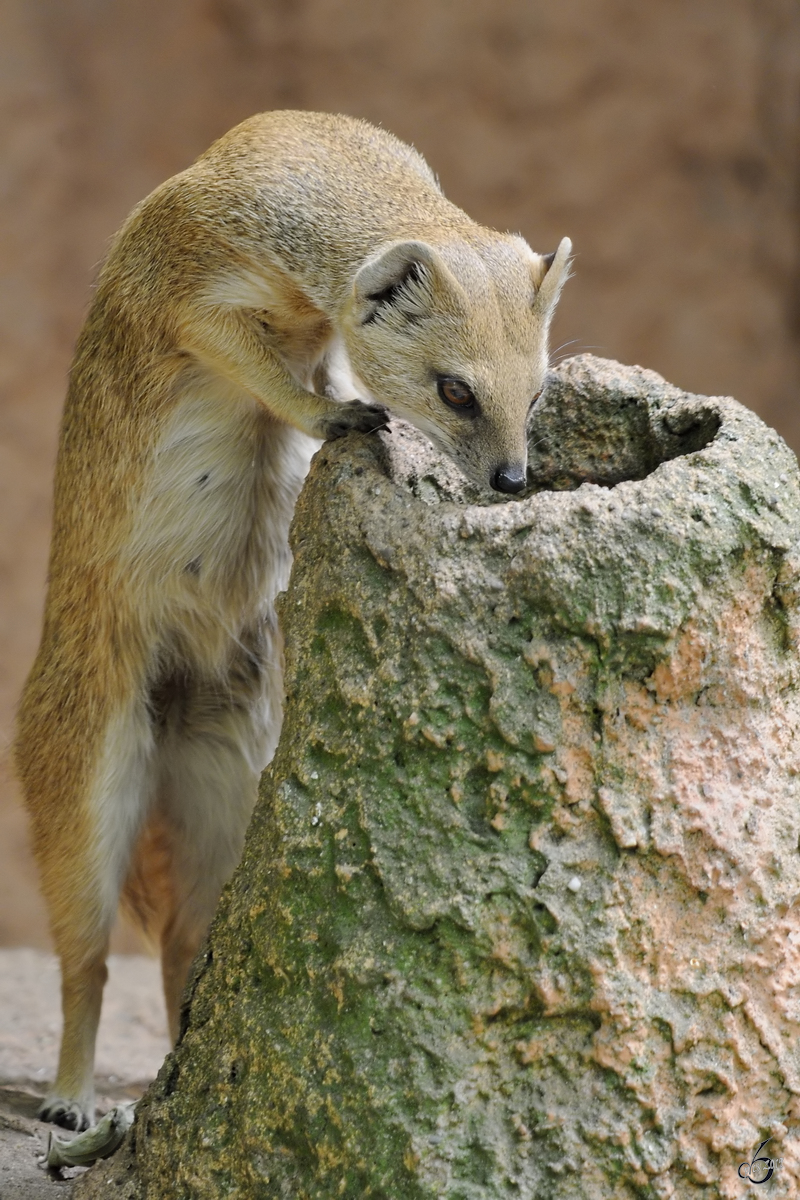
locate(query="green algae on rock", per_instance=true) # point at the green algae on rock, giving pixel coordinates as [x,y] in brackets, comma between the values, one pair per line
[518,909]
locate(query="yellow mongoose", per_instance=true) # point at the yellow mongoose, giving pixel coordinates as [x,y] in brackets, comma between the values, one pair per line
[304,272]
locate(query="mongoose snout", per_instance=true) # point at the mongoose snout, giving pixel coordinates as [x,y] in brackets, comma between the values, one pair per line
[509,479]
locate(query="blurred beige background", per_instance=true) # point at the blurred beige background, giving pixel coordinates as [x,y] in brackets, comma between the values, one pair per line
[663,138]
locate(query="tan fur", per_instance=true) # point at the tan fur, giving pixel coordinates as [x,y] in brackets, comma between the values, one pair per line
[306,266]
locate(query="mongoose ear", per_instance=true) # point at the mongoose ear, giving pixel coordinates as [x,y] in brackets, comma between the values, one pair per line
[395,280]
[550,273]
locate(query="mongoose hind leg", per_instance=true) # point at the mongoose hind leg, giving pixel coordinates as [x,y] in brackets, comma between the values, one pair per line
[216,743]
[156,898]
[83,835]
[70,1103]
[179,947]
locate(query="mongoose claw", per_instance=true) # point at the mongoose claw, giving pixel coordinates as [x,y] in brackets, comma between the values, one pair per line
[353,416]
[69,1114]
[98,1142]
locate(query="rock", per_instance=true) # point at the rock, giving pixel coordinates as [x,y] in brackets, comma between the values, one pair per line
[518,909]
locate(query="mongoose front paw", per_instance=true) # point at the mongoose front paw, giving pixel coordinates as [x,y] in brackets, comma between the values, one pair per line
[69,1114]
[353,415]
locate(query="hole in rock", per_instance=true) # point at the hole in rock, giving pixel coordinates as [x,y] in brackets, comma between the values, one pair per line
[611,436]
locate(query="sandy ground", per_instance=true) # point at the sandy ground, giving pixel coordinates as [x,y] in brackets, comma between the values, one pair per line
[131,1045]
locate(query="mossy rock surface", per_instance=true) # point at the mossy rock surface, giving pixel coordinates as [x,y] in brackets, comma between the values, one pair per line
[518,910]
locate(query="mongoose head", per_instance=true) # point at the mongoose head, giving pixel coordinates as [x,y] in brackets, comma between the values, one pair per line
[453,338]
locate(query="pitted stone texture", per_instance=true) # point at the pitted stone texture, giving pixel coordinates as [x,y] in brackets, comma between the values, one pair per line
[518,911]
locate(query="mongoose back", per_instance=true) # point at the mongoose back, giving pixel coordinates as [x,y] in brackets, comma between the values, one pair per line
[302,277]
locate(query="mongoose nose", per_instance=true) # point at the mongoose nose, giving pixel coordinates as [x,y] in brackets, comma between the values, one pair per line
[508,479]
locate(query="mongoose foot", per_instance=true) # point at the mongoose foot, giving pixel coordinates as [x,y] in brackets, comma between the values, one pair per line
[354,416]
[69,1114]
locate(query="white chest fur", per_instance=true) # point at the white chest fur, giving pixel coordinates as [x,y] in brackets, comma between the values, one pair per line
[208,548]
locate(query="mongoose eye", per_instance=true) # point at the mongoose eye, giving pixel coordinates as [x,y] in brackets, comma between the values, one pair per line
[455,393]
